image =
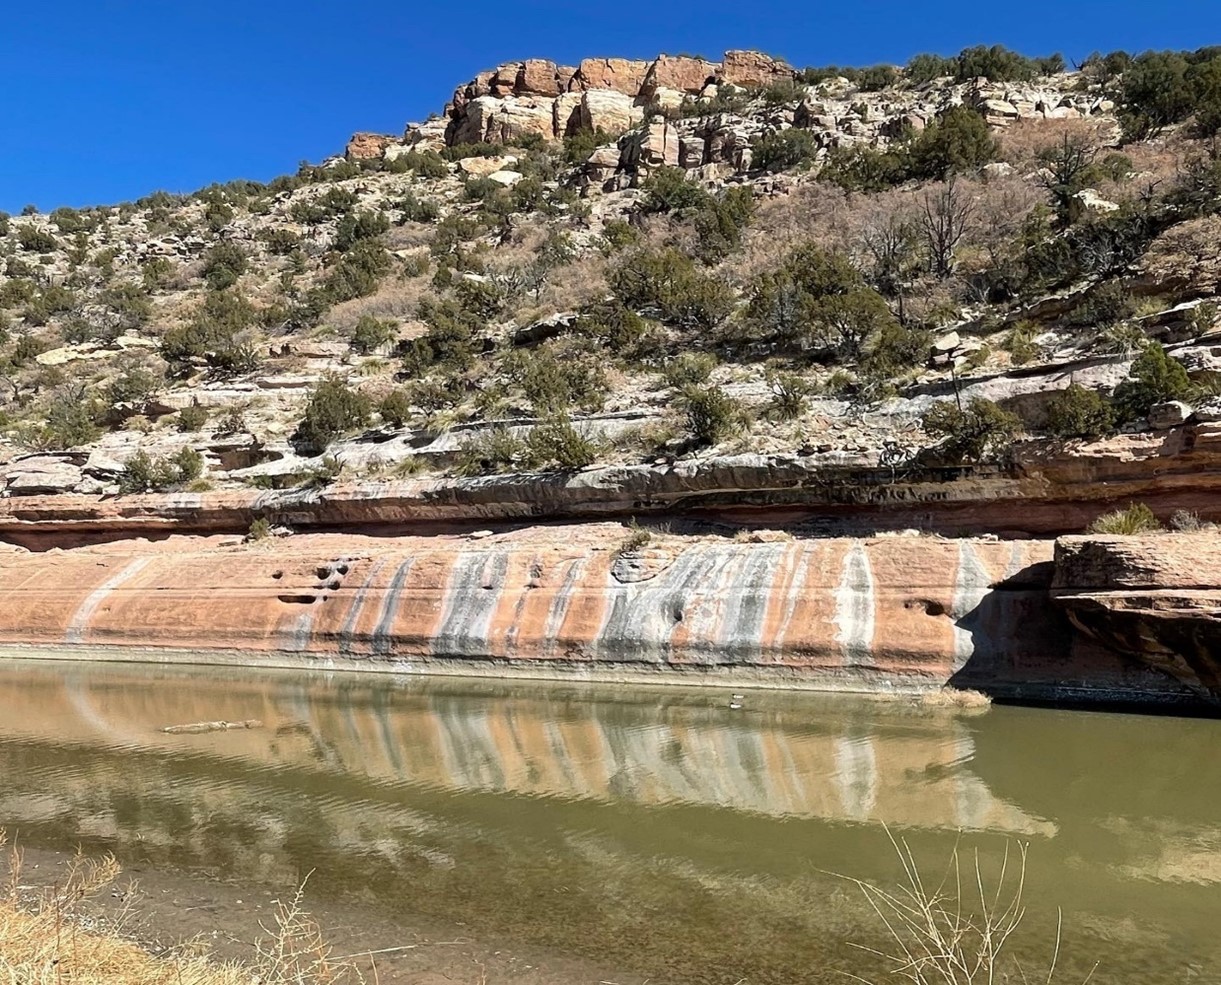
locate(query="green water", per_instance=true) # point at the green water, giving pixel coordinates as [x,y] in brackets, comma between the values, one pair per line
[649,829]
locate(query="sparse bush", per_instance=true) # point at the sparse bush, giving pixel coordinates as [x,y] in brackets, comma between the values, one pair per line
[784,150]
[925,68]
[395,408]
[260,529]
[618,328]
[371,333]
[223,264]
[358,226]
[689,369]
[557,444]
[970,434]
[357,274]
[712,415]
[789,393]
[554,383]
[667,281]
[214,336]
[281,242]
[1186,522]
[1020,345]
[192,418]
[35,240]
[958,140]
[1079,413]
[496,449]
[315,211]
[134,385]
[143,473]
[996,64]
[668,189]
[1134,519]
[334,409]
[1153,379]
[719,223]
[415,209]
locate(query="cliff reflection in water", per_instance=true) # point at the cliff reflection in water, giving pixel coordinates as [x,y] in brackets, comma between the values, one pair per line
[655,829]
[642,747]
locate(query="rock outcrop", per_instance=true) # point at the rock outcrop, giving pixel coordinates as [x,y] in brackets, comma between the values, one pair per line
[828,613]
[1154,598]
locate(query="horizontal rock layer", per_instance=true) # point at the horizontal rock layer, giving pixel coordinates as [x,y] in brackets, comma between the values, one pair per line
[847,613]
[1054,488]
[1154,598]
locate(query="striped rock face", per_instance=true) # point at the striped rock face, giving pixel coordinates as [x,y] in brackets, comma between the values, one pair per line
[857,614]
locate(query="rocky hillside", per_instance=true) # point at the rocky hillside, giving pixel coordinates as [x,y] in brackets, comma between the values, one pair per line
[962,264]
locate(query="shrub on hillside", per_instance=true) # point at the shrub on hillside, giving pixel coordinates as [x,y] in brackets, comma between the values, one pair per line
[1153,379]
[784,150]
[143,473]
[192,418]
[1079,413]
[395,408]
[223,264]
[36,240]
[970,434]
[667,281]
[556,444]
[712,415]
[959,140]
[371,333]
[668,189]
[334,409]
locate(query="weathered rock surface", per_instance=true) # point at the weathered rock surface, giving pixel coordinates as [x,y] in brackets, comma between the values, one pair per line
[1156,598]
[834,613]
[366,146]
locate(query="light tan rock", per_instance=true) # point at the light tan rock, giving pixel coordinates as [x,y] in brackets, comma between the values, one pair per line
[506,178]
[753,68]
[618,74]
[490,119]
[566,113]
[367,146]
[481,167]
[609,110]
[679,73]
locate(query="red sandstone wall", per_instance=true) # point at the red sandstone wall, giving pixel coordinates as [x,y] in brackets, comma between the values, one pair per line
[867,613]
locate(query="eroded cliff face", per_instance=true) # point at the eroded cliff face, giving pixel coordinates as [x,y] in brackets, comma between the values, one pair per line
[856,614]
[1154,598]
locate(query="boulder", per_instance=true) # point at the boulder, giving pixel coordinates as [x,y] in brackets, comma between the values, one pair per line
[481,167]
[1208,412]
[609,110]
[490,119]
[506,178]
[41,475]
[1199,359]
[1171,414]
[538,78]
[1095,202]
[753,68]
[367,146]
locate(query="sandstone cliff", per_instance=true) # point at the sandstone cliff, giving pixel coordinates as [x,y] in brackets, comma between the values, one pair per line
[727,296]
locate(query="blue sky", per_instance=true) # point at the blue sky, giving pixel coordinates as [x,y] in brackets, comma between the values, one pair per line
[105,100]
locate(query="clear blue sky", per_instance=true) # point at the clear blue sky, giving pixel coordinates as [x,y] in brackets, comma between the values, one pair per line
[105,100]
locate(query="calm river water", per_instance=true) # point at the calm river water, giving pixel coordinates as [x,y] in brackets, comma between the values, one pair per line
[654,830]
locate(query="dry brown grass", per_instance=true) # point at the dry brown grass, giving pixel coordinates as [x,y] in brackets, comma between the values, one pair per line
[956,931]
[53,937]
